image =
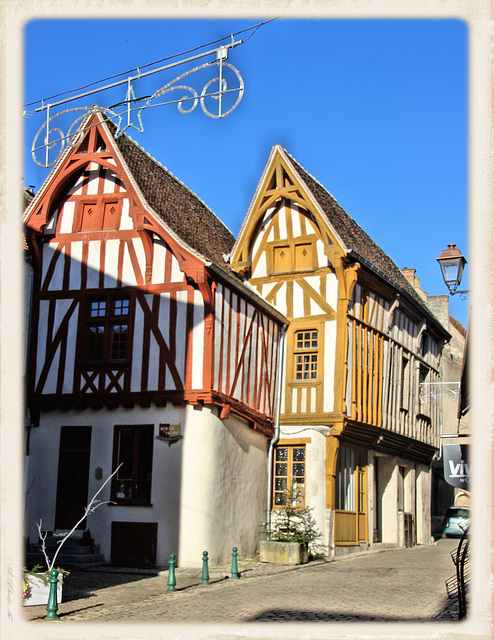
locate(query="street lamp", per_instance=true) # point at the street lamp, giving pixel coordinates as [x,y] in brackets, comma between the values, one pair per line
[452,262]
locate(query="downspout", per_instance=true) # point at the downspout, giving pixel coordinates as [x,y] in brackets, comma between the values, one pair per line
[276,435]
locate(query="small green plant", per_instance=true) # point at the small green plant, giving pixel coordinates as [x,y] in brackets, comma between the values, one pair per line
[292,523]
[38,571]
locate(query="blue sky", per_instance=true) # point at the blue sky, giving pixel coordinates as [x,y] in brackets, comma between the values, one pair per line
[376,110]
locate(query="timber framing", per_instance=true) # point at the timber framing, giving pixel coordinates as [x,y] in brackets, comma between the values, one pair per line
[110,222]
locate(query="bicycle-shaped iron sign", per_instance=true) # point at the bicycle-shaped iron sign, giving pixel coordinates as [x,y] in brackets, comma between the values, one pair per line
[224,92]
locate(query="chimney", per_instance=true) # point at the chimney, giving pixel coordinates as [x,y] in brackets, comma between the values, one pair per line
[415,282]
[409,275]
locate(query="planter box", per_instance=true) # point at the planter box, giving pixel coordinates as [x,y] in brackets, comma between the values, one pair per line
[283,552]
[39,591]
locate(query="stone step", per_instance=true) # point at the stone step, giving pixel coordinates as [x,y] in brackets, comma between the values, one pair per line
[68,560]
[67,548]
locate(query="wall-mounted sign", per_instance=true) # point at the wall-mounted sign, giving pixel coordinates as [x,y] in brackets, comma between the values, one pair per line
[456,471]
[170,433]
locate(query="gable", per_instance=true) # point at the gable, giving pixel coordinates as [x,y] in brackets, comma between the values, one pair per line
[284,213]
[157,200]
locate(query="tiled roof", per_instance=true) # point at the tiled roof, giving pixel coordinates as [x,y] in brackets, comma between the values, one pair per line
[27,196]
[353,236]
[181,210]
[184,213]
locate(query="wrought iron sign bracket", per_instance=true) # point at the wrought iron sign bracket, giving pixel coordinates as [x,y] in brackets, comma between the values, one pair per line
[224,92]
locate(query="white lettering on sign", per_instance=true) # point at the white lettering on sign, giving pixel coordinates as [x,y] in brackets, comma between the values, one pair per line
[459,470]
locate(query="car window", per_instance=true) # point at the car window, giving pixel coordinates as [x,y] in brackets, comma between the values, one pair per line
[457,513]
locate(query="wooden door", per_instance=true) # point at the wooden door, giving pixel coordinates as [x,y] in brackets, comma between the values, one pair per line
[350,526]
[73,476]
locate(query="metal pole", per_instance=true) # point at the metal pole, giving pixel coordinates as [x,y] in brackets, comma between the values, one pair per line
[139,75]
[234,571]
[205,571]
[171,573]
[51,606]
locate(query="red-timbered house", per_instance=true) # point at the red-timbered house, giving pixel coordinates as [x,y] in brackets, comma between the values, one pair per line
[146,351]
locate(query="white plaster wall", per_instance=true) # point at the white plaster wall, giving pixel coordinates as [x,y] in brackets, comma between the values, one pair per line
[223,488]
[388,485]
[423,501]
[316,482]
[167,475]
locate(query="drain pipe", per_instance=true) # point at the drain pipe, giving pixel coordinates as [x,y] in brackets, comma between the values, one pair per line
[276,434]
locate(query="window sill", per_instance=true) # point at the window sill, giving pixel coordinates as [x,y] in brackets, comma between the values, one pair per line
[130,504]
[282,508]
[292,272]
[424,416]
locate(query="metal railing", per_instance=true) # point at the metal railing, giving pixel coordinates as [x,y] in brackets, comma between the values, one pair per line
[458,585]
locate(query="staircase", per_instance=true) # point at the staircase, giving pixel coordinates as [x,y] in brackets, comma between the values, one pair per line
[78,551]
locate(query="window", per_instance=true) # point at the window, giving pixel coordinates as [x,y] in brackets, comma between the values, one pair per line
[424,347]
[345,480]
[401,488]
[294,257]
[350,468]
[424,389]
[95,215]
[108,329]
[133,449]
[405,382]
[306,346]
[303,257]
[282,259]
[289,475]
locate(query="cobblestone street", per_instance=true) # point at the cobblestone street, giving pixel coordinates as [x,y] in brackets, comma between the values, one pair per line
[386,586]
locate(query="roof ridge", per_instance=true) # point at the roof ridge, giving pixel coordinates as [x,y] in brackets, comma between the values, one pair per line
[309,174]
[182,210]
[320,184]
[355,238]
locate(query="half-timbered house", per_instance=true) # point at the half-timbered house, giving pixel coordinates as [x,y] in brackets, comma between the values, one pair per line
[356,440]
[146,354]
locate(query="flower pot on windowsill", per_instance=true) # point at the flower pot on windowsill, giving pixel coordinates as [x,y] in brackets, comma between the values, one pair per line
[290,553]
[36,589]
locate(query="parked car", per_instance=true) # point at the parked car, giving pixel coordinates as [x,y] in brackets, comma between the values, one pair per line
[455,521]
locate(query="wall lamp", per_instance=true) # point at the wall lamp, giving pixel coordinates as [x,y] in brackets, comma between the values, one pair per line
[452,262]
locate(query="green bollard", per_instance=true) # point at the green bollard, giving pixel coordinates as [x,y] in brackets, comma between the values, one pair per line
[234,572]
[51,606]
[205,571]
[171,573]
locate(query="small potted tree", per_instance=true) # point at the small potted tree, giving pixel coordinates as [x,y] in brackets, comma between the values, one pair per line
[36,586]
[293,530]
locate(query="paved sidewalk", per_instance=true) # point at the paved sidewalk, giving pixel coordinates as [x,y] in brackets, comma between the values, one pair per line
[391,585]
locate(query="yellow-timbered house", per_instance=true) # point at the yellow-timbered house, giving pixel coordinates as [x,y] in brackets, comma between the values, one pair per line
[354,437]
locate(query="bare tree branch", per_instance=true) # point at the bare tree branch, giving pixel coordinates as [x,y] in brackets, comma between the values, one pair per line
[90,508]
